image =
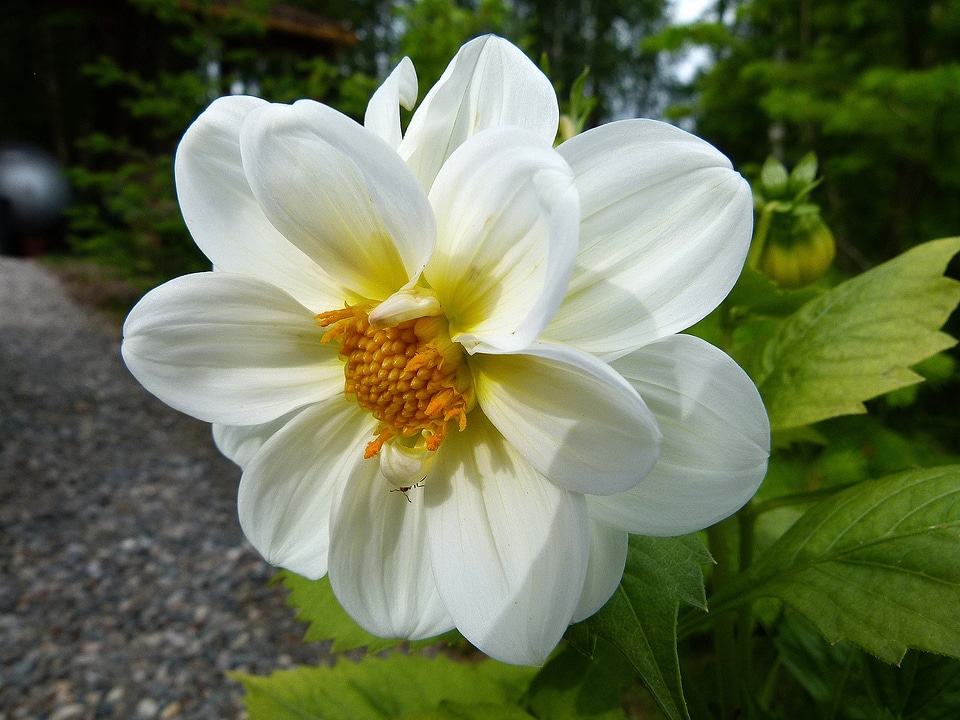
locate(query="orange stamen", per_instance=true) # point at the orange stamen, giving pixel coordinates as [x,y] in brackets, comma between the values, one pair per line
[409,376]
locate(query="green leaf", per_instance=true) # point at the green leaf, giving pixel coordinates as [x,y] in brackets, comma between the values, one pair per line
[877,564]
[924,687]
[640,620]
[572,685]
[843,681]
[477,711]
[858,340]
[391,687]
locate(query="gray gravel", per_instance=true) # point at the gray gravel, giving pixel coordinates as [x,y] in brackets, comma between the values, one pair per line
[126,587]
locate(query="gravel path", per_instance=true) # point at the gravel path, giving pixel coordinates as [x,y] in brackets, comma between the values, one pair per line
[126,587]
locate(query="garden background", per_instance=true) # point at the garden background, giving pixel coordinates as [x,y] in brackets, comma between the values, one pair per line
[872,89]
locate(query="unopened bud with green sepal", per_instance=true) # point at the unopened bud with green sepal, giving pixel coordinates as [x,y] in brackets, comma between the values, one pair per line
[792,244]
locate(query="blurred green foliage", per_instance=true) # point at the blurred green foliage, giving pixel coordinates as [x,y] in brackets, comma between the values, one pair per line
[126,215]
[873,88]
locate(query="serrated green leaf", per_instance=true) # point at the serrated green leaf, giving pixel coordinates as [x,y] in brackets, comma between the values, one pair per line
[858,340]
[877,564]
[640,620]
[573,685]
[380,688]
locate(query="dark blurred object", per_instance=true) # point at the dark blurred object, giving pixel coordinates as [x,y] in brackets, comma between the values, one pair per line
[33,195]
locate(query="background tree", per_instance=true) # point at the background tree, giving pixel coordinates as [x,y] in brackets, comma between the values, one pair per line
[872,88]
[112,91]
[604,35]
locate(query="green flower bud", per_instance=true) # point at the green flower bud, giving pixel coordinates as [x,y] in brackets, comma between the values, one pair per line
[800,247]
[791,245]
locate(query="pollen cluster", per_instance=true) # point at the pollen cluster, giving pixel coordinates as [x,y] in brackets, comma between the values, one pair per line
[409,376]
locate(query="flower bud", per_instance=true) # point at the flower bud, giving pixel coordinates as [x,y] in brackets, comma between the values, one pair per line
[800,247]
[792,245]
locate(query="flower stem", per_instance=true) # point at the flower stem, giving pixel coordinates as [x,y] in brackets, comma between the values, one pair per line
[746,525]
[760,233]
[724,630]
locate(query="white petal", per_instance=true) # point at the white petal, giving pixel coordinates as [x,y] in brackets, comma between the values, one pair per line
[408,304]
[287,490]
[572,417]
[225,219]
[716,439]
[383,110]
[507,216]
[339,193]
[379,559]
[240,443]
[489,83]
[665,231]
[403,466]
[229,349]
[509,548]
[608,557]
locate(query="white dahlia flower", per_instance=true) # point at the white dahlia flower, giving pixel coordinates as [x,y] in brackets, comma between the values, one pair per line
[468,316]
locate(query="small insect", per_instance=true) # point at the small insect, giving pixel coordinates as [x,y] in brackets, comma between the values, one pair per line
[407,488]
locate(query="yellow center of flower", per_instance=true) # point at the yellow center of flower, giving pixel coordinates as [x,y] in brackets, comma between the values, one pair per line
[409,376]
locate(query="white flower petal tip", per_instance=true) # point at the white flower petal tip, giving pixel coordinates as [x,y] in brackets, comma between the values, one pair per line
[222,214]
[666,225]
[288,487]
[383,111]
[507,218]
[716,440]
[571,416]
[489,83]
[228,349]
[509,549]
[340,194]
[408,304]
[608,558]
[405,467]
[380,566]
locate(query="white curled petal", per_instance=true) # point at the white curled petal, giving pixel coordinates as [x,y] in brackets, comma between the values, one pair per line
[507,217]
[225,219]
[228,349]
[665,231]
[409,304]
[489,83]
[340,194]
[383,110]
[404,467]
[240,443]
[379,560]
[608,557]
[570,415]
[716,440]
[287,489]
[509,548]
